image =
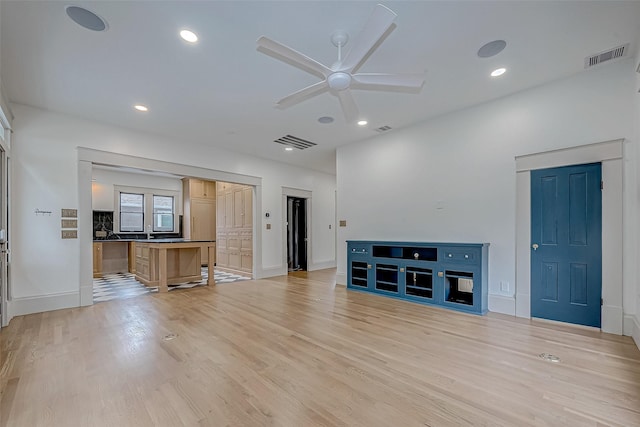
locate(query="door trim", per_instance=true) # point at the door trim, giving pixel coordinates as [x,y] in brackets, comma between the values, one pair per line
[88,156]
[301,194]
[610,154]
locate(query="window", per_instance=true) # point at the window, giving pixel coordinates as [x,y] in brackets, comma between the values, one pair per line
[131,212]
[163,213]
[146,210]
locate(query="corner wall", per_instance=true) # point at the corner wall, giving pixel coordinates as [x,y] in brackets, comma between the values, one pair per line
[454,178]
[632,320]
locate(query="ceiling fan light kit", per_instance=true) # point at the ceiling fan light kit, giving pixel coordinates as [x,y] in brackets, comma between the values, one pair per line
[341,77]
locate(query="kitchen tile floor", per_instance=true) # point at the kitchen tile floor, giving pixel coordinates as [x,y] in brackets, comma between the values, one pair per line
[124,285]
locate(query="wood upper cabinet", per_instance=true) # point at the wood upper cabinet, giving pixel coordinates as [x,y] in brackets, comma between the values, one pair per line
[228,209]
[238,208]
[242,207]
[220,212]
[202,189]
[247,204]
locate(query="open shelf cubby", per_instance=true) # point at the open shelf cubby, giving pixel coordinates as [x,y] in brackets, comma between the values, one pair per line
[452,275]
[359,274]
[419,282]
[387,277]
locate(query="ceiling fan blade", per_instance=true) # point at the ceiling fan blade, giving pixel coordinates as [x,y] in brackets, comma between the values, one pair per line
[379,81]
[380,21]
[349,107]
[292,57]
[303,94]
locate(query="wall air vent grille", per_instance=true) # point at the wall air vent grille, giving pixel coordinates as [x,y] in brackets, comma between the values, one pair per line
[383,129]
[295,142]
[599,58]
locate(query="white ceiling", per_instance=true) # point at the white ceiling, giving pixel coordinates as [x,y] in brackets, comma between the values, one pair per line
[221,91]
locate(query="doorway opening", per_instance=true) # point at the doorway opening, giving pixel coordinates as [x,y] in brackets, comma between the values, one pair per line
[296,234]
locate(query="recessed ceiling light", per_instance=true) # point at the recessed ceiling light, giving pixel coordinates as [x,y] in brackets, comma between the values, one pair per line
[492,48]
[85,18]
[498,72]
[288,149]
[325,119]
[189,36]
[362,122]
[141,107]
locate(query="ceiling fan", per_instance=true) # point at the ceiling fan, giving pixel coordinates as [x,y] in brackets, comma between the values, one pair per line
[341,77]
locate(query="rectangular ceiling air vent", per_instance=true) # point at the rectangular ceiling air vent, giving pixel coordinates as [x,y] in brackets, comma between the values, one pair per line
[599,58]
[383,129]
[295,142]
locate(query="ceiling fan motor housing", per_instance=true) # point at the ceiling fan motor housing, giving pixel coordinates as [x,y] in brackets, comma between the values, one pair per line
[339,80]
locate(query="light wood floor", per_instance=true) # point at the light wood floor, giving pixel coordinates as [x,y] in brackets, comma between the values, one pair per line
[299,351]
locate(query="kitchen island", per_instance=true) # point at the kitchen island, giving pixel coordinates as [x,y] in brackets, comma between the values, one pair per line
[163,262]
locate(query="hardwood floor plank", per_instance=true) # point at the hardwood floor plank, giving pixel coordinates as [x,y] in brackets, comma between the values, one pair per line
[298,351]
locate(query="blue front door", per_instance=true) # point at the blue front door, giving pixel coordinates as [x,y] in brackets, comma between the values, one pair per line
[566,244]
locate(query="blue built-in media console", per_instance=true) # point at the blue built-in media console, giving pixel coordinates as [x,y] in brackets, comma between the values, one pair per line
[451,275]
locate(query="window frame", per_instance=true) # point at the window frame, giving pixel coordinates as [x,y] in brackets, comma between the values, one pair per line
[120,212]
[155,227]
[148,210]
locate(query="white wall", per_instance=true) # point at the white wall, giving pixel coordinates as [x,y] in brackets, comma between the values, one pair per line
[45,268]
[634,328]
[453,178]
[102,188]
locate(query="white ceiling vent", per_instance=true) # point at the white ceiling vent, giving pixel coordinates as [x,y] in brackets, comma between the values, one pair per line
[295,142]
[598,58]
[383,129]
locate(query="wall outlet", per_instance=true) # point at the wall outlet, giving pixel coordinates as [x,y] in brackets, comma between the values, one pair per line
[268,226]
[504,286]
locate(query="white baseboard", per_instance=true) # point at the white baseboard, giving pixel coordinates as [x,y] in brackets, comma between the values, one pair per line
[86,295]
[502,304]
[523,305]
[341,279]
[39,304]
[272,272]
[632,328]
[321,265]
[612,319]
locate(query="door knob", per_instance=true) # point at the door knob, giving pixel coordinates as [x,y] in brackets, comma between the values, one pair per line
[535,246]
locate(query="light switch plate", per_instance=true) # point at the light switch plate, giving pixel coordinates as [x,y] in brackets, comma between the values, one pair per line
[69,213]
[69,234]
[343,223]
[69,223]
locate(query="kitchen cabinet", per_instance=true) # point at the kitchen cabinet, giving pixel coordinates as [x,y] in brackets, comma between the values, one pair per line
[97,259]
[199,219]
[234,231]
[163,263]
[110,256]
[202,189]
